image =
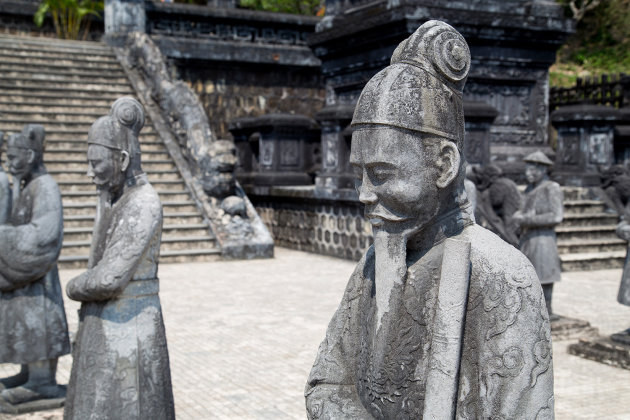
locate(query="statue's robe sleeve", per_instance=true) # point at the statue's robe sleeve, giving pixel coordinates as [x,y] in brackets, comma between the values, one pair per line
[331,391]
[135,223]
[5,197]
[28,251]
[506,368]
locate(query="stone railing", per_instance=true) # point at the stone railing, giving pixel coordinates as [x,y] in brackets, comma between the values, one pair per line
[611,90]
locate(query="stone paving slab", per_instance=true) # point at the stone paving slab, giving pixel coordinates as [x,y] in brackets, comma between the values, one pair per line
[243,336]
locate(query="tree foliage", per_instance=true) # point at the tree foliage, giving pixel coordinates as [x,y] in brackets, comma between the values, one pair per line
[600,45]
[69,16]
[301,7]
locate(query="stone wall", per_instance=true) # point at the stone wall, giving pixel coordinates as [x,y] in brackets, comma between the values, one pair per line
[299,220]
[231,90]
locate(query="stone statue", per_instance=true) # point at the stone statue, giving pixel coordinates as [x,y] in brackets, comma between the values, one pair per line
[623,297]
[542,211]
[5,189]
[33,327]
[497,201]
[441,317]
[616,185]
[120,366]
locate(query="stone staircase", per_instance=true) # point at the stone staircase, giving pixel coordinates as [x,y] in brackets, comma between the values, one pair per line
[65,86]
[586,237]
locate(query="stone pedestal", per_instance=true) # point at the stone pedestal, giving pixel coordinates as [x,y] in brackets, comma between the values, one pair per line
[602,349]
[123,16]
[566,328]
[478,119]
[276,149]
[37,405]
[335,140]
[585,143]
[512,44]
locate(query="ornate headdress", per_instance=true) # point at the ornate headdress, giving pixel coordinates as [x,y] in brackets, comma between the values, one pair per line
[421,90]
[538,157]
[120,129]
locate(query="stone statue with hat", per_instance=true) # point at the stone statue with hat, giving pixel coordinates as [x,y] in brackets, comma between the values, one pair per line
[120,367]
[33,327]
[542,211]
[441,318]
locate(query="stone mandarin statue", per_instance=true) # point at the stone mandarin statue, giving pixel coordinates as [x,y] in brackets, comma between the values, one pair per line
[33,328]
[5,189]
[441,319]
[542,211]
[120,366]
[623,297]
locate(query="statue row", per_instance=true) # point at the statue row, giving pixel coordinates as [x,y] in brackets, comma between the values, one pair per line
[120,366]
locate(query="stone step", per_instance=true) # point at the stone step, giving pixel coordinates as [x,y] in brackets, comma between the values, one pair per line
[589,219]
[167,195]
[590,246]
[35,107]
[57,128]
[78,59]
[147,145]
[87,220]
[149,165]
[71,208]
[179,229]
[81,155]
[60,97]
[12,68]
[586,232]
[17,87]
[66,174]
[61,79]
[60,65]
[58,116]
[87,185]
[54,44]
[593,261]
[54,101]
[584,206]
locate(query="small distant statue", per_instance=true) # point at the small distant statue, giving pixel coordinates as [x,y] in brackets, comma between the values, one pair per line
[5,189]
[33,327]
[616,185]
[497,201]
[542,211]
[440,317]
[120,367]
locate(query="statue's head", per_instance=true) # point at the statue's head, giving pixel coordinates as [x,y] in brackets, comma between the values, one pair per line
[408,133]
[113,147]
[486,175]
[25,151]
[537,166]
[218,169]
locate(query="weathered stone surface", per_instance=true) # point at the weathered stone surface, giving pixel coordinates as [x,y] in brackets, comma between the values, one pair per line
[564,328]
[120,360]
[33,327]
[123,16]
[542,210]
[438,310]
[5,189]
[604,350]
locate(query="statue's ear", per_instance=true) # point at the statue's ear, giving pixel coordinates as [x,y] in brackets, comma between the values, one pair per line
[448,164]
[31,156]
[124,161]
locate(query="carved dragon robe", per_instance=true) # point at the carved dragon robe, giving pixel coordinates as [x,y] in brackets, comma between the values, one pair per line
[121,365]
[33,323]
[506,368]
[542,211]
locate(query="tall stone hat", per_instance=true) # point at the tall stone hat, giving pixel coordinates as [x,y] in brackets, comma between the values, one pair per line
[421,90]
[538,157]
[119,130]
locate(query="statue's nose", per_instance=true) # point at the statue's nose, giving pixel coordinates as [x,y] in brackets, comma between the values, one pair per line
[367,195]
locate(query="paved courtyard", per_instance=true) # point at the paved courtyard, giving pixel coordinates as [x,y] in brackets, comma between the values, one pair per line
[243,335]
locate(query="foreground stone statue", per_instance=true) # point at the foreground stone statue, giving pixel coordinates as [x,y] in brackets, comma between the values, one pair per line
[441,319]
[497,201]
[120,366]
[33,328]
[542,211]
[5,189]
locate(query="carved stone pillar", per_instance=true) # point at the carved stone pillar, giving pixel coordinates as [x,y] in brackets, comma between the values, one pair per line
[335,142]
[479,117]
[123,16]
[585,142]
[276,149]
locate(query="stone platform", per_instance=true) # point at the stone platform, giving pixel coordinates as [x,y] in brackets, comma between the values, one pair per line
[243,335]
[570,328]
[604,350]
[33,406]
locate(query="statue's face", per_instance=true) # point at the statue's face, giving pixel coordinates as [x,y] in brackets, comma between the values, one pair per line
[105,167]
[395,177]
[534,172]
[218,169]
[20,160]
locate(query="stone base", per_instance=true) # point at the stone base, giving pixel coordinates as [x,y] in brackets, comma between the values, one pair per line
[604,350]
[566,328]
[37,405]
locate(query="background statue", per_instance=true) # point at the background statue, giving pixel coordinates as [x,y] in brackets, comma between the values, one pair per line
[542,211]
[623,297]
[120,366]
[616,185]
[33,328]
[497,201]
[441,315]
[5,189]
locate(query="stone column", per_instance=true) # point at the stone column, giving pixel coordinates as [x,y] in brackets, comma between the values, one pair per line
[335,145]
[585,142]
[123,16]
[479,117]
